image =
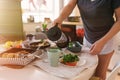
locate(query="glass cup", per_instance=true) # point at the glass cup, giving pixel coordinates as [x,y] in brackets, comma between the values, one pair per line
[53,57]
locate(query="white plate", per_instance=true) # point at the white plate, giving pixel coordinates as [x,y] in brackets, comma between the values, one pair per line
[81,62]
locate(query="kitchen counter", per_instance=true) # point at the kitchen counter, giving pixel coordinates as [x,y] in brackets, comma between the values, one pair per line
[72,23]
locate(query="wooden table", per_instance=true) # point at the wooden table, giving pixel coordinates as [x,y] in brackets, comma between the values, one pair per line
[31,72]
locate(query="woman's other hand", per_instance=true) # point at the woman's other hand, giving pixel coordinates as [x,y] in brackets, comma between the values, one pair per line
[97,47]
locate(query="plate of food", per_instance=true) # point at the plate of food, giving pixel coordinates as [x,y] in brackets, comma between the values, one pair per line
[41,44]
[72,60]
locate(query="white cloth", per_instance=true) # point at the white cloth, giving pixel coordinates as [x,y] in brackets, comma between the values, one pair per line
[68,71]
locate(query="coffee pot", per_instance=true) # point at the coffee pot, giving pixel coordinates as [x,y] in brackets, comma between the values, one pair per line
[56,35]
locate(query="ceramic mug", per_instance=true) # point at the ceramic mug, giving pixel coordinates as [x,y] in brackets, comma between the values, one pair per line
[53,57]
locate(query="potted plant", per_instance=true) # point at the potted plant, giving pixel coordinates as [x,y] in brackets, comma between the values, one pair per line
[44,27]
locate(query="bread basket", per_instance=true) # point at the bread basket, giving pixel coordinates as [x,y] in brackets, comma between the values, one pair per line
[24,60]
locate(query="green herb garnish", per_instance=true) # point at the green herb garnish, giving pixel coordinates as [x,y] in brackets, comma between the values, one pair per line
[70,58]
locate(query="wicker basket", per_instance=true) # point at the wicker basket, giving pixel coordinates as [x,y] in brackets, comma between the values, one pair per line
[16,61]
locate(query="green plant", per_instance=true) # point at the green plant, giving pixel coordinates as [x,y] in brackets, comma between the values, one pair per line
[44,26]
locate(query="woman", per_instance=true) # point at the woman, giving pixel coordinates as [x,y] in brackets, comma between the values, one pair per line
[100,28]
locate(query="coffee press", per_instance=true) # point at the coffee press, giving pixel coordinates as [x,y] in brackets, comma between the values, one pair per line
[56,35]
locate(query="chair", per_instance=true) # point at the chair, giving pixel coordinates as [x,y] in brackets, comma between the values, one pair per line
[114,72]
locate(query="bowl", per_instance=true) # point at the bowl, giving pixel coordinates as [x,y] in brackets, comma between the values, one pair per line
[74,47]
[73,18]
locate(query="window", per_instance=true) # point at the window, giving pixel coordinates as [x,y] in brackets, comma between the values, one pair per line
[39,9]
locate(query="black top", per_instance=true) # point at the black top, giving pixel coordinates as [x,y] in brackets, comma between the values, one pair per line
[97,16]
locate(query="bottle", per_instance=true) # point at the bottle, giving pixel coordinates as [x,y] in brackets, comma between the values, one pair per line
[56,35]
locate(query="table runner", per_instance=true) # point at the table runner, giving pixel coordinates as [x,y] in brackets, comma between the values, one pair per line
[67,71]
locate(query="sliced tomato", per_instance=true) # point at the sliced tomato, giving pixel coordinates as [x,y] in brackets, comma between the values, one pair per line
[71,63]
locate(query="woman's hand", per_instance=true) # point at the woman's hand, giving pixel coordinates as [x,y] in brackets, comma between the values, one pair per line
[97,47]
[58,21]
